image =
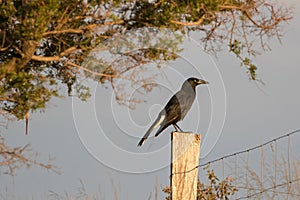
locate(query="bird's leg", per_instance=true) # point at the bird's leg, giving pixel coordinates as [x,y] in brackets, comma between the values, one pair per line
[177,128]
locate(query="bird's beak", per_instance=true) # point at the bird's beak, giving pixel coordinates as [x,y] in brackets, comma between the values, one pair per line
[203,82]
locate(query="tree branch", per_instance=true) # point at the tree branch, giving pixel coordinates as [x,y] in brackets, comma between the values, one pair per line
[54,58]
[81,29]
[92,72]
[8,99]
[189,23]
[45,59]
[76,31]
[14,158]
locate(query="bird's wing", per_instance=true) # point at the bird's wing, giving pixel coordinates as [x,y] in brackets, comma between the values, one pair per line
[173,113]
[177,108]
[172,117]
[160,119]
[173,109]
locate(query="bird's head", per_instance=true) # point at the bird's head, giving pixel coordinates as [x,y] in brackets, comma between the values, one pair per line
[195,81]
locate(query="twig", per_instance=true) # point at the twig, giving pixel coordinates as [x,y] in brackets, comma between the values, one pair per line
[196,23]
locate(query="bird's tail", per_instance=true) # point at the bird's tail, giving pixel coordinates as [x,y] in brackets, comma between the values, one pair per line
[142,141]
[161,129]
[157,122]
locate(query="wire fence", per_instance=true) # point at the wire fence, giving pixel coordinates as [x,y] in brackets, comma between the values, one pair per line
[250,149]
[267,171]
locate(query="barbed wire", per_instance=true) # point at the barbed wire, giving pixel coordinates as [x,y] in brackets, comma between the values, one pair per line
[239,152]
[268,189]
[257,191]
[250,149]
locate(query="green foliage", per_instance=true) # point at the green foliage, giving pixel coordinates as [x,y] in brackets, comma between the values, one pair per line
[238,48]
[26,84]
[21,91]
[83,92]
[44,44]
[214,189]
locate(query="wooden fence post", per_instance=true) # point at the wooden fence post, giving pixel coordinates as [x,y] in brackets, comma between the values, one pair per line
[185,150]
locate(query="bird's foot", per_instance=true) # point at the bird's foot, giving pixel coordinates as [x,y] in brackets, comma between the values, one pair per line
[178,129]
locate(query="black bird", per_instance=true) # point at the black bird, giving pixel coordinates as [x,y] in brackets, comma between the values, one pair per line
[176,109]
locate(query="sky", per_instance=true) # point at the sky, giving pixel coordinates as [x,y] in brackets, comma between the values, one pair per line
[232,113]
